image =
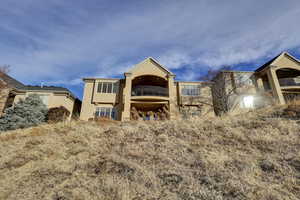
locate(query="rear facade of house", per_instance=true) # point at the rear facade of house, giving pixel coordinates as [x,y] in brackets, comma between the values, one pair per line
[147,91]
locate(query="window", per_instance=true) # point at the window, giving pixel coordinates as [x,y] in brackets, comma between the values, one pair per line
[107,87]
[44,98]
[115,87]
[99,87]
[104,88]
[106,112]
[191,90]
[243,79]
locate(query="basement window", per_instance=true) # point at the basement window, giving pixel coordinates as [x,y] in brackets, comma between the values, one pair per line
[106,112]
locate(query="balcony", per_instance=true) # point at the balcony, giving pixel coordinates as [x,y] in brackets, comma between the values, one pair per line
[147,90]
[289,82]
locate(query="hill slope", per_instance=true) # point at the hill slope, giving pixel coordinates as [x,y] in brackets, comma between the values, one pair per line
[244,157]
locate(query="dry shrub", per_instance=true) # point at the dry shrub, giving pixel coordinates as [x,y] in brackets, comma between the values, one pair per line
[249,156]
[57,114]
[293,110]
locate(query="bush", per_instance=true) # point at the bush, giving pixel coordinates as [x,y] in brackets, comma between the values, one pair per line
[57,114]
[28,112]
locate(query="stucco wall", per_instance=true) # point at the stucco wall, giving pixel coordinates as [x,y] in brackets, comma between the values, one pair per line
[147,67]
[105,97]
[203,101]
[93,99]
[54,100]
[287,62]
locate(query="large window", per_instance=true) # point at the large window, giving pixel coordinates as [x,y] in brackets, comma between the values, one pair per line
[106,112]
[243,79]
[190,90]
[107,87]
[44,98]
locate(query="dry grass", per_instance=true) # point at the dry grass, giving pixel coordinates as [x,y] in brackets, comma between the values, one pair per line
[243,157]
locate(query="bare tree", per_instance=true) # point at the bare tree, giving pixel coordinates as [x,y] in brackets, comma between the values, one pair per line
[199,104]
[225,86]
[5,69]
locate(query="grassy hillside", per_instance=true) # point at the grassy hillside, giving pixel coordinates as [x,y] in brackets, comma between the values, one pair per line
[243,157]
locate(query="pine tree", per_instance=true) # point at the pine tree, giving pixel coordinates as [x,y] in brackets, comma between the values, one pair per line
[26,113]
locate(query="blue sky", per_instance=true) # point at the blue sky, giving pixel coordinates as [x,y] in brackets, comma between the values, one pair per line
[58,42]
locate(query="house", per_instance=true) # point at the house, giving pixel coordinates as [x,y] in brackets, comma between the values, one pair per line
[277,81]
[51,96]
[148,90]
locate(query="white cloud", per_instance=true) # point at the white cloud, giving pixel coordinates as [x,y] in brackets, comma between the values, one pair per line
[174,59]
[67,40]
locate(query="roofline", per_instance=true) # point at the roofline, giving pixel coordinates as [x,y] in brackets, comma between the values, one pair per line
[238,71]
[262,67]
[48,91]
[156,62]
[89,78]
[192,81]
[288,54]
[162,66]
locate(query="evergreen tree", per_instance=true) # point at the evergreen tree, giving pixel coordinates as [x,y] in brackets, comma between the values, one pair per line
[26,113]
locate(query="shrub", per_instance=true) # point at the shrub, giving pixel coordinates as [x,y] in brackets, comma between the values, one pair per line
[57,114]
[28,112]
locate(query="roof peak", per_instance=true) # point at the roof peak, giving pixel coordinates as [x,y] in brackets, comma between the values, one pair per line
[153,60]
[275,58]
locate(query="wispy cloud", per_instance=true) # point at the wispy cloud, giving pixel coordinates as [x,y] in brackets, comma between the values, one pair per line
[66,40]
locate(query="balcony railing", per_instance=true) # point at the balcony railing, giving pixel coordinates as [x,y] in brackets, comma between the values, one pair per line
[289,82]
[147,90]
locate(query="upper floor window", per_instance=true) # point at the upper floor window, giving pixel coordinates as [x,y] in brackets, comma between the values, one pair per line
[106,112]
[190,90]
[107,87]
[243,79]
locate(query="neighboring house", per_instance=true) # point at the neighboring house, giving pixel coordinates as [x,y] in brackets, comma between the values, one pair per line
[147,90]
[50,95]
[277,81]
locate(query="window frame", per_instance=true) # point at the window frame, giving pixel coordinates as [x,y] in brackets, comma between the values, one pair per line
[108,87]
[106,112]
[191,90]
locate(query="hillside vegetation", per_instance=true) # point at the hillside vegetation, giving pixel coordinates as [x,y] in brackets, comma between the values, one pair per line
[250,156]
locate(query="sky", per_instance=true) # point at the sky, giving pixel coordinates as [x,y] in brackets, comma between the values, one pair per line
[58,42]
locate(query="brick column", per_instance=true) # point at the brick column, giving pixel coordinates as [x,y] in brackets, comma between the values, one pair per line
[275,86]
[127,97]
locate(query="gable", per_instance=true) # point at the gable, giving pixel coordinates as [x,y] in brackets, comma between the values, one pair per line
[149,67]
[283,60]
[286,61]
